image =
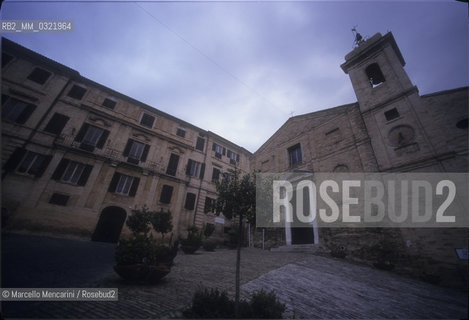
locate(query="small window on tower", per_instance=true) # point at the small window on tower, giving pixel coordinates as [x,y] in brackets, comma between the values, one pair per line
[391,114]
[374,74]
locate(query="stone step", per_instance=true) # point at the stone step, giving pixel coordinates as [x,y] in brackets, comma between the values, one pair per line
[311,248]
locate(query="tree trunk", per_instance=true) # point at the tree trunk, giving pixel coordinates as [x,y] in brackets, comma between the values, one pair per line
[238,265]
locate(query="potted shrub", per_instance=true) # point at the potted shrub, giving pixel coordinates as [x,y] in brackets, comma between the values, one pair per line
[143,258]
[193,241]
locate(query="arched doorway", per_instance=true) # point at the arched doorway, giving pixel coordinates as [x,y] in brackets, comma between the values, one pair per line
[109,225]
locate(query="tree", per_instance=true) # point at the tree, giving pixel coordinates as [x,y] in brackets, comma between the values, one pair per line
[237,198]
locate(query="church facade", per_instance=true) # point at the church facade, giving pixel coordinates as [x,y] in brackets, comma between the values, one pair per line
[391,128]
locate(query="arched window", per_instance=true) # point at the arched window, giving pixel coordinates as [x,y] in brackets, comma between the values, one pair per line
[374,74]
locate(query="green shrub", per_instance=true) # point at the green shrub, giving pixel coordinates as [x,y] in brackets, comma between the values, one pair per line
[138,222]
[208,230]
[209,245]
[210,305]
[215,304]
[266,306]
[194,237]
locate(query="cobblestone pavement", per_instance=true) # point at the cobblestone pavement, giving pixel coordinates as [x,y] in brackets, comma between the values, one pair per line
[310,286]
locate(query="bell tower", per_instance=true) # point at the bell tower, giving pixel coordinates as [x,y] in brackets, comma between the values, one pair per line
[389,103]
[376,70]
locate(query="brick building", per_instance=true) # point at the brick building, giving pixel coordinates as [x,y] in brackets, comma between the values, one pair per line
[78,156]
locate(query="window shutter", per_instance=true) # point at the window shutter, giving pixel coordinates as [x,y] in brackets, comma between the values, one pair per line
[237,157]
[190,201]
[56,123]
[24,116]
[166,194]
[14,160]
[172,165]
[114,181]
[102,139]
[84,175]
[134,187]
[200,144]
[82,132]
[224,151]
[214,146]
[143,158]
[202,171]
[188,168]
[43,166]
[127,147]
[59,171]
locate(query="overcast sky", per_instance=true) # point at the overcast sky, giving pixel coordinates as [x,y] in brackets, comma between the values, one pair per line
[241,69]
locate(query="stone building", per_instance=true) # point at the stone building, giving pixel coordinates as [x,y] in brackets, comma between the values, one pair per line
[78,156]
[391,128]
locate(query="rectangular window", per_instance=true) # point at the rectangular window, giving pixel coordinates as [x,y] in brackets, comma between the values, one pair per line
[124,184]
[59,199]
[76,92]
[200,144]
[15,110]
[39,75]
[215,175]
[136,151]
[147,120]
[91,137]
[234,158]
[33,163]
[166,194]
[172,165]
[195,169]
[181,132]
[56,123]
[294,154]
[72,172]
[219,150]
[391,114]
[109,103]
[209,205]
[190,201]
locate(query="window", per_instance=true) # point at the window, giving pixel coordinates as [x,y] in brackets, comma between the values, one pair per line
[136,151]
[181,132]
[195,169]
[209,205]
[215,175]
[234,158]
[59,199]
[91,137]
[76,92]
[294,154]
[39,75]
[147,120]
[190,201]
[15,110]
[166,194]
[72,172]
[219,150]
[124,184]
[200,144]
[28,162]
[56,123]
[391,114]
[6,58]
[374,74]
[109,103]
[172,165]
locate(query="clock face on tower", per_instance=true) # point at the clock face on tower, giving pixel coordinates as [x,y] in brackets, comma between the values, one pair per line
[401,135]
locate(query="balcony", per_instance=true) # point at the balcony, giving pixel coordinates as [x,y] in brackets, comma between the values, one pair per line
[113,155]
